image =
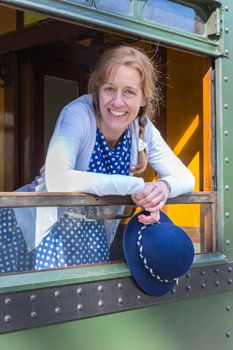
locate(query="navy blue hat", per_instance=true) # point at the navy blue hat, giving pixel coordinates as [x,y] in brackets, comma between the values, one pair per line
[157,255]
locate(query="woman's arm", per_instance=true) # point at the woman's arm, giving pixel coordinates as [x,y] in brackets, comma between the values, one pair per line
[175,177]
[72,135]
[167,165]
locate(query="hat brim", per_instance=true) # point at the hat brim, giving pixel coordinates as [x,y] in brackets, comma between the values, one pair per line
[150,285]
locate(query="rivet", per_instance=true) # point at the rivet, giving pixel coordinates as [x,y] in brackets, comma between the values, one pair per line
[229,281]
[227,214]
[226,8]
[228,334]
[226,160]
[173,291]
[7,301]
[120,285]
[228,307]
[229,269]
[225,79]
[226,52]
[203,272]
[226,105]
[217,283]
[188,275]
[188,288]
[225,132]
[100,303]
[33,297]
[79,307]
[227,242]
[100,288]
[226,30]
[227,187]
[120,301]
[57,310]
[57,294]
[203,286]
[216,270]
[139,297]
[7,319]
[34,314]
[79,291]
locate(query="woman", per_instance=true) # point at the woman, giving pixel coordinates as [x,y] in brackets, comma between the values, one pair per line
[99,140]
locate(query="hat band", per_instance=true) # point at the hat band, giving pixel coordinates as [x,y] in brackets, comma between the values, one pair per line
[145,263]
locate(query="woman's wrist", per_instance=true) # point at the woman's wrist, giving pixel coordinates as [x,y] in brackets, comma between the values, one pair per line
[166,183]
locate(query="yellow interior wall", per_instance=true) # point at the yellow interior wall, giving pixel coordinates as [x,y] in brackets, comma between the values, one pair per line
[30,18]
[7,24]
[185,123]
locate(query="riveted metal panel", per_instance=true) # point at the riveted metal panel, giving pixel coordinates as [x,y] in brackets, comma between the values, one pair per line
[224,129]
[46,306]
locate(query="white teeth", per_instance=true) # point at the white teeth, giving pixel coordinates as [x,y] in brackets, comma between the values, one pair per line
[117,114]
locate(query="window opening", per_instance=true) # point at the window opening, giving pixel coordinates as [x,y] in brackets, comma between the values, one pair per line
[187,127]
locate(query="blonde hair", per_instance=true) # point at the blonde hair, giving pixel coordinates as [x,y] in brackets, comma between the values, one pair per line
[137,59]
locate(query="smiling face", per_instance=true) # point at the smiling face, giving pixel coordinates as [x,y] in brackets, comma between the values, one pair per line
[120,98]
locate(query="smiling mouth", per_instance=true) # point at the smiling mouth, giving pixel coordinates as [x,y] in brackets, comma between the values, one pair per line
[117,113]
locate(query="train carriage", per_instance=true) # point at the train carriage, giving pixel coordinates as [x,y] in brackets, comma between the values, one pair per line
[47,50]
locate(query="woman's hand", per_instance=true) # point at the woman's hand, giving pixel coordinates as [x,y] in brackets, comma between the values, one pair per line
[152,198]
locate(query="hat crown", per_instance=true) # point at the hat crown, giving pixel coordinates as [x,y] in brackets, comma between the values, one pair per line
[157,254]
[167,249]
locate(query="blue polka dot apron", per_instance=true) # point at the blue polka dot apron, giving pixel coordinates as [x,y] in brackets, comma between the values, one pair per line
[74,240]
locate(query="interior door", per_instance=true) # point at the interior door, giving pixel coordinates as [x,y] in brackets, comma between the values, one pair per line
[51,77]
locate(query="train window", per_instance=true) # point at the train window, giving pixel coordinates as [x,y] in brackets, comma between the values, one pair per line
[54,56]
[121,6]
[176,15]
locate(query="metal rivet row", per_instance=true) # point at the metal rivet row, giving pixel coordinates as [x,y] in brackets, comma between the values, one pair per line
[100,288]
[79,307]
[7,301]
[79,291]
[33,297]
[100,303]
[57,294]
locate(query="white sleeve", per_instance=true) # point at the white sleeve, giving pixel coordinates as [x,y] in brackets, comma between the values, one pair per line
[168,166]
[60,174]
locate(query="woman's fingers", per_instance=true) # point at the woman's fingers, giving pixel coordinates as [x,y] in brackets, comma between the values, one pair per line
[152,218]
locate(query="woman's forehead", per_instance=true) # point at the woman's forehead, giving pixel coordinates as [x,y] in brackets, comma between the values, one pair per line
[112,71]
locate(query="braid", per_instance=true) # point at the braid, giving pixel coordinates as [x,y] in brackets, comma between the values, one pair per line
[142,155]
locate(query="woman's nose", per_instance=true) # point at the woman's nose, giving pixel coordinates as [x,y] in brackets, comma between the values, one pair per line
[118,99]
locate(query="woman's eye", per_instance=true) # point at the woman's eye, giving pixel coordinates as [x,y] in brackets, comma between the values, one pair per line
[130,92]
[108,89]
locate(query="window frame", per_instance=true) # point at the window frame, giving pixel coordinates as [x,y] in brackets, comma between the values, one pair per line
[42,279]
[87,13]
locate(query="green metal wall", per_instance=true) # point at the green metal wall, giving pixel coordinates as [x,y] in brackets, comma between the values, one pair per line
[200,323]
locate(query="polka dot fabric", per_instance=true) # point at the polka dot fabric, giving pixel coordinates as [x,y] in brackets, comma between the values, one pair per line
[14,256]
[74,240]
